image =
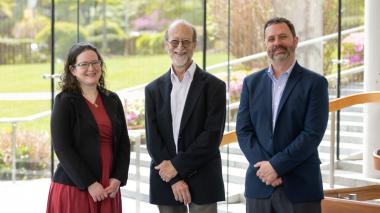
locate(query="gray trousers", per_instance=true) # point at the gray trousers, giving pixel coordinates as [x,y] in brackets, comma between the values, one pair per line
[193,208]
[279,203]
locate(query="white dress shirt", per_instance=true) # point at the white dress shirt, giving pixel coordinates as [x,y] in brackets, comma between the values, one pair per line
[178,97]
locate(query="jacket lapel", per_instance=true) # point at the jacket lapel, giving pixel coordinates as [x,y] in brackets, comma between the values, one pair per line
[165,91]
[195,90]
[266,126]
[111,110]
[292,81]
[268,98]
[81,104]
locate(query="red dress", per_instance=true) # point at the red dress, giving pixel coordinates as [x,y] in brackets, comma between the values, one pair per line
[69,199]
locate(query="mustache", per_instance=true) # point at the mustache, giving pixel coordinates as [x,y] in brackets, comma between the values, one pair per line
[279,47]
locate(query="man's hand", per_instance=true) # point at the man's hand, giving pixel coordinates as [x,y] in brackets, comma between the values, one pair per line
[277,182]
[113,188]
[266,172]
[97,192]
[166,170]
[181,192]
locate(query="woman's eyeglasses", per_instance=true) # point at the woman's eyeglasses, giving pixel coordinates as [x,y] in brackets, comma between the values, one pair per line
[86,65]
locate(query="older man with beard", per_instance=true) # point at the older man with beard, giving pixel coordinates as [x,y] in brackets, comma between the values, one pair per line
[184,120]
[281,120]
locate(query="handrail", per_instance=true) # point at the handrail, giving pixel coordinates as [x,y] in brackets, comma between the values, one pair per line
[359,98]
[330,204]
[25,119]
[229,137]
[334,105]
[351,71]
[362,193]
[340,103]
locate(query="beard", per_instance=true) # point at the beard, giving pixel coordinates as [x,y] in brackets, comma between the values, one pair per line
[180,61]
[286,51]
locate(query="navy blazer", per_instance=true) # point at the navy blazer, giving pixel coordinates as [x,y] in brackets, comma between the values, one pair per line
[76,140]
[291,147]
[198,160]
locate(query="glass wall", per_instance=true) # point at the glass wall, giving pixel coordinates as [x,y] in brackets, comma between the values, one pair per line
[347,77]
[129,34]
[24,94]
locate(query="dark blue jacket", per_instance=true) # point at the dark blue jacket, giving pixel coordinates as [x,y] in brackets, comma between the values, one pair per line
[292,147]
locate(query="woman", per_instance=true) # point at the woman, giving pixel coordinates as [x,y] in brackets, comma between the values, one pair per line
[90,138]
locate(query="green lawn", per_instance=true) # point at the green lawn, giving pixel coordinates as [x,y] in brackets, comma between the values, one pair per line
[122,72]
[17,109]
[22,108]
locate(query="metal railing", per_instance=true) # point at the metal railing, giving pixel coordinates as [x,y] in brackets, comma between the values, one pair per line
[14,122]
[348,72]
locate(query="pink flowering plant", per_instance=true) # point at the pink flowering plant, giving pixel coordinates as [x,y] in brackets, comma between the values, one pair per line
[236,85]
[353,48]
[134,113]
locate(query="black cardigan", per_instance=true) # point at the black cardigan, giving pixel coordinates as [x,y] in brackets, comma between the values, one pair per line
[76,141]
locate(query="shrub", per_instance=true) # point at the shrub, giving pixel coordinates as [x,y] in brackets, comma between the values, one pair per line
[32,154]
[14,51]
[353,48]
[65,36]
[96,28]
[2,159]
[116,38]
[134,113]
[5,25]
[29,27]
[157,43]
[236,85]
[152,43]
[142,45]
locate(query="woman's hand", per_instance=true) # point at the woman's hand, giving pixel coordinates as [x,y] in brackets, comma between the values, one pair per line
[97,192]
[113,188]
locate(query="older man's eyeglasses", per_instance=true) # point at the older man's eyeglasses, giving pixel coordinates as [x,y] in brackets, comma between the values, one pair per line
[86,65]
[185,43]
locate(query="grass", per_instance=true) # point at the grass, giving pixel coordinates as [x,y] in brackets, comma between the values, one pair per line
[24,78]
[16,109]
[22,108]
[122,72]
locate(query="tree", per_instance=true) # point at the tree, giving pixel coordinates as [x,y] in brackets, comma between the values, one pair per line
[6,8]
[247,20]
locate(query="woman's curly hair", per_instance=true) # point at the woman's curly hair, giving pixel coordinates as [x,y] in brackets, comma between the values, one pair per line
[69,82]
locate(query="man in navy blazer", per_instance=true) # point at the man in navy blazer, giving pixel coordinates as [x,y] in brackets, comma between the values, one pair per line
[282,118]
[184,120]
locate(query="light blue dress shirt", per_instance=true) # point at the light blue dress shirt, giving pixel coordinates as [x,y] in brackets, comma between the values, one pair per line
[278,86]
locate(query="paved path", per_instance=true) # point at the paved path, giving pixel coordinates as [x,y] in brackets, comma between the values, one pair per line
[25,96]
